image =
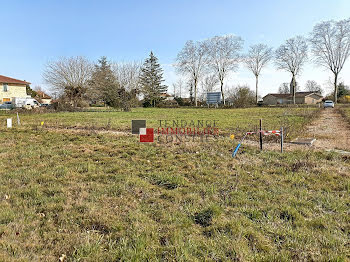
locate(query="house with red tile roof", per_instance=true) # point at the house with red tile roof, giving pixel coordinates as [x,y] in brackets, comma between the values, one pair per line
[43,97]
[11,88]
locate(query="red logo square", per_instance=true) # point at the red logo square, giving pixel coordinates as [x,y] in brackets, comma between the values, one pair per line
[148,137]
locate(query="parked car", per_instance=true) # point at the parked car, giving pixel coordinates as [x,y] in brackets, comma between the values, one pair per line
[6,105]
[328,103]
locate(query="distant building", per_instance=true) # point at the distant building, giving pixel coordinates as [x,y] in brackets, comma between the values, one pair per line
[166,96]
[11,88]
[43,98]
[300,98]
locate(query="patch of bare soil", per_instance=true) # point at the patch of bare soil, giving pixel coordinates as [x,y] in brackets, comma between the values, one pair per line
[331,131]
[86,130]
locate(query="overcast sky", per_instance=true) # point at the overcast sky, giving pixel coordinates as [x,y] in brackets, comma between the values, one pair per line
[34,32]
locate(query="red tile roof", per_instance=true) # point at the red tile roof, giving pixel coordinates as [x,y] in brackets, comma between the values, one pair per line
[42,95]
[165,95]
[9,80]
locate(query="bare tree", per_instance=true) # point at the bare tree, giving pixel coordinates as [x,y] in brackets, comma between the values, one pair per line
[178,86]
[313,86]
[38,88]
[224,56]
[258,56]
[127,74]
[286,88]
[330,41]
[291,56]
[69,76]
[192,61]
[209,82]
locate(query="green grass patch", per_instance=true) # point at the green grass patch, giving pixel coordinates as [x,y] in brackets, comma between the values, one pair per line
[229,120]
[106,198]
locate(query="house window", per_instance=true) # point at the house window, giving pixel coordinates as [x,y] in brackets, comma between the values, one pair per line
[5,87]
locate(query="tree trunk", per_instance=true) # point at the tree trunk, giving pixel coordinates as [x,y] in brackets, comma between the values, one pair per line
[222,90]
[191,93]
[335,87]
[195,92]
[256,88]
[293,83]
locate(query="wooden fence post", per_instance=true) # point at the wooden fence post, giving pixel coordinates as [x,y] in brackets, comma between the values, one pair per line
[281,139]
[260,133]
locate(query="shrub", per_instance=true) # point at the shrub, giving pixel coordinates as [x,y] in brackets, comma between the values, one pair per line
[241,96]
[168,104]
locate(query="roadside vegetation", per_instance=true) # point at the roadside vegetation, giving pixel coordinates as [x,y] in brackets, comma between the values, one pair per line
[345,111]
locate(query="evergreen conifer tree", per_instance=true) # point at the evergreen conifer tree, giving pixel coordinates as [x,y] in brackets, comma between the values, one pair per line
[151,80]
[103,85]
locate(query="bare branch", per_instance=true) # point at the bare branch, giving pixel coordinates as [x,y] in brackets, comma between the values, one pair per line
[68,75]
[258,56]
[224,56]
[127,74]
[330,41]
[292,55]
[72,71]
[191,61]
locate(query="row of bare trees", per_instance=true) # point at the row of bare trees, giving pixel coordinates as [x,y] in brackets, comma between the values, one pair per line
[218,56]
[210,61]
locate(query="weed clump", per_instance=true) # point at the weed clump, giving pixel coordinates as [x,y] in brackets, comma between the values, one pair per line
[287,216]
[205,217]
[166,181]
[302,165]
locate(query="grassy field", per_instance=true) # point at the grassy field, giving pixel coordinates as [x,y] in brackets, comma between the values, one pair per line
[229,120]
[95,197]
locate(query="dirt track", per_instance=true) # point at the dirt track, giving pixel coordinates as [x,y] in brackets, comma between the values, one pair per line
[331,131]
